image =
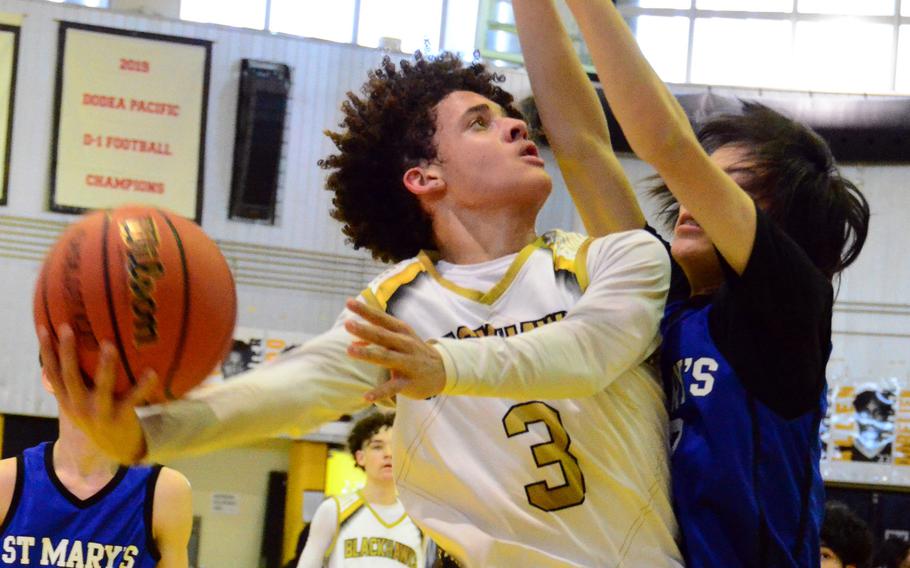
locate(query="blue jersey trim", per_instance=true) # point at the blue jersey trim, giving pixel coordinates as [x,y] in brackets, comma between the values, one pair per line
[151,485]
[64,492]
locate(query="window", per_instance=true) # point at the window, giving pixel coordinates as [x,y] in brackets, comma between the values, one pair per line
[902,82]
[758,47]
[333,20]
[89,3]
[417,23]
[427,25]
[847,7]
[817,45]
[746,5]
[461,26]
[677,4]
[237,14]
[826,61]
[664,42]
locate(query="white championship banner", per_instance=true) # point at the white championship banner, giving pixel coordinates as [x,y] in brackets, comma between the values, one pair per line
[130,120]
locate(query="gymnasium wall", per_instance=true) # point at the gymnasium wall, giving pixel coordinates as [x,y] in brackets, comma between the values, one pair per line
[294,275]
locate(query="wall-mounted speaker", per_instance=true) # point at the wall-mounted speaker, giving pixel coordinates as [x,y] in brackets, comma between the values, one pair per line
[262,106]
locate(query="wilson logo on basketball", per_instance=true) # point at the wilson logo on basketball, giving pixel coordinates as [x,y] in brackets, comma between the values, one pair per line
[140,235]
[72,286]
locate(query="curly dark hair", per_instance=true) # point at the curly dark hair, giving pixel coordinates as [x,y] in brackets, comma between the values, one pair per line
[796,179]
[366,428]
[847,535]
[386,131]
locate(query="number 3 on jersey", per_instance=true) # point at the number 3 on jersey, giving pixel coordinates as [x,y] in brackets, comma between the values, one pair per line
[556,451]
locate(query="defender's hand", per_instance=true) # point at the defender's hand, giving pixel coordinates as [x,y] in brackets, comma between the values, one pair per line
[417,370]
[109,421]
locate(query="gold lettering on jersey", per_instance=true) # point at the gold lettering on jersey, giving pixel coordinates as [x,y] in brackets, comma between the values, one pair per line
[379,547]
[488,330]
[140,235]
[17,550]
[556,451]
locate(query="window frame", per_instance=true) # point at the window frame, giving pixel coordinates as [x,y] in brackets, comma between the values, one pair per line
[487,23]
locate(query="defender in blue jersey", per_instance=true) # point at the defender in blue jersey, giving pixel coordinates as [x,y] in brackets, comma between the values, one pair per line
[64,503]
[762,221]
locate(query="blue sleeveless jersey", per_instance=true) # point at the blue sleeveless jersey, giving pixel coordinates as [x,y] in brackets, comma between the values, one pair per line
[49,526]
[747,488]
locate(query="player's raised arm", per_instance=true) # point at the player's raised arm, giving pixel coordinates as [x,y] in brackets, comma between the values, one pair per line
[658,131]
[574,122]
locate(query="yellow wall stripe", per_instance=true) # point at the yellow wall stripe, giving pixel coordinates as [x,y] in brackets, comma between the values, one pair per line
[306,472]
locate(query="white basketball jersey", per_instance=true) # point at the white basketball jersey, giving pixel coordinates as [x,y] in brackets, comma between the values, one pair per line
[530,483]
[374,537]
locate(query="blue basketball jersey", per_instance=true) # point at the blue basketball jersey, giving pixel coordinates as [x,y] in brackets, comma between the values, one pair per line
[48,526]
[746,482]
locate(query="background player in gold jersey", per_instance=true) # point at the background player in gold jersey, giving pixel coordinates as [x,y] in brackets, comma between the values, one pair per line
[368,527]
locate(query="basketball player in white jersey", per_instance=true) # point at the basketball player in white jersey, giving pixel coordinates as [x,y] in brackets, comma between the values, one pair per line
[369,527]
[435,172]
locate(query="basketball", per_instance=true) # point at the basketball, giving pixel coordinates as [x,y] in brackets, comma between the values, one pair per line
[150,282]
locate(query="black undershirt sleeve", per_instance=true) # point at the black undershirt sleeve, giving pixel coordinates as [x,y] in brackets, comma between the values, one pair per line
[679,286]
[773,322]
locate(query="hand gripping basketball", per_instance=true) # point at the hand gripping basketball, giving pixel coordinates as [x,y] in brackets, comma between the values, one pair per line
[149,282]
[109,421]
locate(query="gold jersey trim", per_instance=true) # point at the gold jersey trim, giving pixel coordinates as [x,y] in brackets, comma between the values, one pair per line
[391,525]
[570,253]
[581,265]
[387,288]
[494,293]
[350,508]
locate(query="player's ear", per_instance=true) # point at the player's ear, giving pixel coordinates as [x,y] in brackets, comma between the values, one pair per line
[424,180]
[358,458]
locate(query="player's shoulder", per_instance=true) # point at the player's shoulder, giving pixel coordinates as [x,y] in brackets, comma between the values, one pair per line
[637,243]
[348,503]
[569,251]
[584,256]
[9,468]
[172,503]
[381,289]
[565,243]
[9,473]
[172,480]
[171,485]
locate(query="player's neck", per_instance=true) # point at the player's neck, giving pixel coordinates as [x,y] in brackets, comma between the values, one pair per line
[76,456]
[472,237]
[704,277]
[380,492]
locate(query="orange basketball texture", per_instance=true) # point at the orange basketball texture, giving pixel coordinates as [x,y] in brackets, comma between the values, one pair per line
[150,282]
